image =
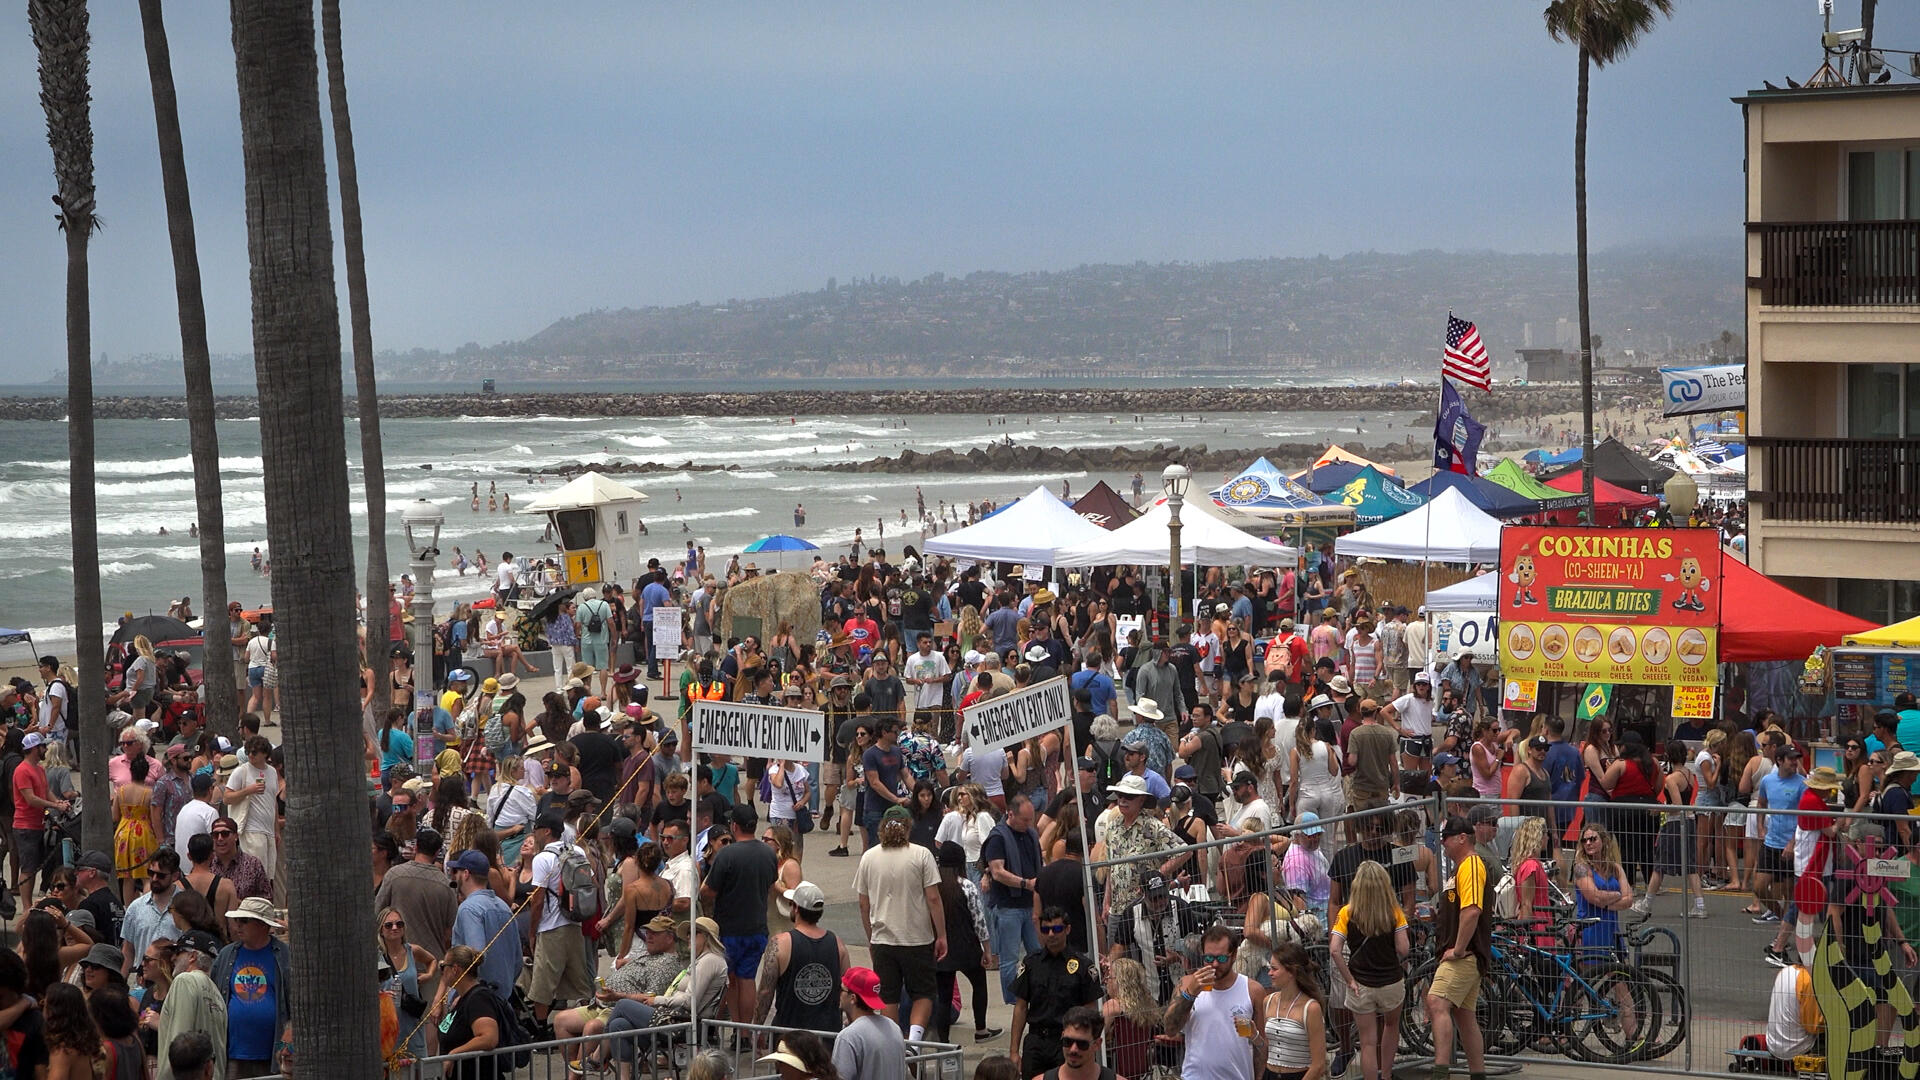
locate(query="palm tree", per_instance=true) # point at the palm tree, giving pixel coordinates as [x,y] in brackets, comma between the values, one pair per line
[372,462]
[223,710]
[303,449]
[61,37]
[1605,31]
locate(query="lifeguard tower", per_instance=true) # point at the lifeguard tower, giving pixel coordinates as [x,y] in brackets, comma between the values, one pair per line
[595,522]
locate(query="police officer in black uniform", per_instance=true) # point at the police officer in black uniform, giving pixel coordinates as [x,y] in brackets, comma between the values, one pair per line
[1052,979]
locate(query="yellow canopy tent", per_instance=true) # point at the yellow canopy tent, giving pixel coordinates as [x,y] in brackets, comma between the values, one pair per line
[1335,453]
[1905,634]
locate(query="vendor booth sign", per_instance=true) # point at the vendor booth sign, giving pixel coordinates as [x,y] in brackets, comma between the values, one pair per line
[1610,605]
[1477,632]
[1693,702]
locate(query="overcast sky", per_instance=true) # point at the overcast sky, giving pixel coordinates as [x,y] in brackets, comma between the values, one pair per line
[520,163]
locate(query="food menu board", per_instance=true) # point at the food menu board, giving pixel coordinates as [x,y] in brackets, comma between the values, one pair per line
[1873,676]
[1610,605]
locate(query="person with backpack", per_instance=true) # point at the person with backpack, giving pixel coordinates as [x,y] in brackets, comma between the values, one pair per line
[566,896]
[471,1017]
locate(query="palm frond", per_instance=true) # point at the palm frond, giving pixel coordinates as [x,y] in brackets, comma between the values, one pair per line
[1607,29]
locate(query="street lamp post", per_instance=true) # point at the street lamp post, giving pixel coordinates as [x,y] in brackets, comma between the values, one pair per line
[422,521]
[1174,481]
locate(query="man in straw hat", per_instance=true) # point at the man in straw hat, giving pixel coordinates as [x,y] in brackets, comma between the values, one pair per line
[1902,768]
[1137,833]
[254,973]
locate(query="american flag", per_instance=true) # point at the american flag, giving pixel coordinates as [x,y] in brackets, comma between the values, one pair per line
[1464,357]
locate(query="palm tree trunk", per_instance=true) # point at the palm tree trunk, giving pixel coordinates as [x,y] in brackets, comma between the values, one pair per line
[1586,317]
[296,347]
[372,462]
[223,709]
[62,39]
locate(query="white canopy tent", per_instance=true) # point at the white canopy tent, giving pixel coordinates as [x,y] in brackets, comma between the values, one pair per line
[587,489]
[1480,593]
[1032,531]
[1205,540]
[1446,529]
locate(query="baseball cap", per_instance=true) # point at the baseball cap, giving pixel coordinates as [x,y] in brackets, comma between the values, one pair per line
[1154,882]
[32,740]
[1309,823]
[96,860]
[1242,777]
[864,984]
[1441,761]
[199,941]
[1185,772]
[896,812]
[806,896]
[1456,826]
[1087,765]
[471,861]
[1423,677]
[1538,742]
[1484,814]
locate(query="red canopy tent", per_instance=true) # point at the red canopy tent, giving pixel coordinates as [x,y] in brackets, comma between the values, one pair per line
[1612,504]
[1761,619]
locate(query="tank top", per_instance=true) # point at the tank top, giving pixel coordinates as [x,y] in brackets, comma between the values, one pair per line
[1633,785]
[1487,784]
[1218,1032]
[808,993]
[1365,669]
[1537,787]
[1287,1049]
[1315,775]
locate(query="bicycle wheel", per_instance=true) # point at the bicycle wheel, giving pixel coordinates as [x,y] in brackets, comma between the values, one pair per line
[1493,1010]
[1416,1032]
[1613,1016]
[1670,1004]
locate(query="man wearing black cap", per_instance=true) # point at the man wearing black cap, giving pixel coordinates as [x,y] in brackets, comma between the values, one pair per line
[93,873]
[418,889]
[194,1004]
[559,950]
[1161,932]
[1052,979]
[1463,928]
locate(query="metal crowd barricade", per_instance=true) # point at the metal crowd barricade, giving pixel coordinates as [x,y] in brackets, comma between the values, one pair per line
[744,1044]
[1702,986]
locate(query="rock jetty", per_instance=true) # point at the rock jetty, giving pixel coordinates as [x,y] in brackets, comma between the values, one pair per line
[983,400]
[1001,458]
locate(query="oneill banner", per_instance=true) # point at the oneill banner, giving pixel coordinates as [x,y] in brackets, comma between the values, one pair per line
[1716,388]
[759,731]
[1018,716]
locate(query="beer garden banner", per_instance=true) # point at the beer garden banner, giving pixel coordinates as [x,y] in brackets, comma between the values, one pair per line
[1610,605]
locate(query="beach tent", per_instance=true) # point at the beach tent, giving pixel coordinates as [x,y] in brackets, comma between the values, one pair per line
[1761,619]
[1508,474]
[1104,507]
[1029,531]
[1616,463]
[10,638]
[1337,453]
[1448,529]
[1501,502]
[1611,502]
[587,489]
[1322,479]
[1374,498]
[1480,593]
[1902,634]
[1205,540]
[780,552]
[1265,493]
[1562,458]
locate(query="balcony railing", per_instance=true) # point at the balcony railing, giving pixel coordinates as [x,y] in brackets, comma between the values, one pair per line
[1858,480]
[1838,263]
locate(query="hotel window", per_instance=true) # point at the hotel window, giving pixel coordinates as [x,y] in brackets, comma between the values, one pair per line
[1883,401]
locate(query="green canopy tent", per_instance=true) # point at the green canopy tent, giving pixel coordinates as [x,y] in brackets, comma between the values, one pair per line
[1508,474]
[1374,498]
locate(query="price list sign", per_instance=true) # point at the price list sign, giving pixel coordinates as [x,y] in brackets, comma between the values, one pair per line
[1873,676]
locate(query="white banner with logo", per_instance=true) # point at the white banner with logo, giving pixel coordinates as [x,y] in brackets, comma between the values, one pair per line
[1476,631]
[1712,388]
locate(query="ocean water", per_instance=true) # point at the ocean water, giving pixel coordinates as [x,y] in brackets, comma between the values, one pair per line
[146,483]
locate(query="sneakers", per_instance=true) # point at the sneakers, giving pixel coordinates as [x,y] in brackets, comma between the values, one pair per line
[1341,1062]
[1642,907]
[984,1034]
[1698,910]
[1776,957]
[839,853]
[1764,918]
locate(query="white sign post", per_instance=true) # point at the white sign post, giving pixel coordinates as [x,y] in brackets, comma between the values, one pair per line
[759,731]
[667,641]
[1018,716]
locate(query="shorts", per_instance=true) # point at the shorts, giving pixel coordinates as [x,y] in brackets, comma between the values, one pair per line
[1364,801]
[595,653]
[1457,982]
[743,954]
[1774,861]
[257,676]
[910,966]
[1674,848]
[1755,825]
[832,773]
[560,966]
[29,850]
[1378,999]
[1420,746]
[1810,896]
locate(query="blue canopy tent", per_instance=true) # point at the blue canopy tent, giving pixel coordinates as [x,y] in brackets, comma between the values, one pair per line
[1374,498]
[1501,502]
[1262,491]
[1561,458]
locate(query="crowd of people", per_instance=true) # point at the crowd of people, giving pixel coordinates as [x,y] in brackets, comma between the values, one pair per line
[1250,784]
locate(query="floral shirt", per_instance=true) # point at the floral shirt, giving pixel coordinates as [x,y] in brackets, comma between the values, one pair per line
[562,631]
[648,973]
[922,755]
[1159,748]
[1146,834]
[248,875]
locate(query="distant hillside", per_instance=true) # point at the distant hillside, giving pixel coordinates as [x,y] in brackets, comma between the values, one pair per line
[1357,315]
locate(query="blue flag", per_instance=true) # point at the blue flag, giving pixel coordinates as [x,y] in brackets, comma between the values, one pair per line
[1456,435]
